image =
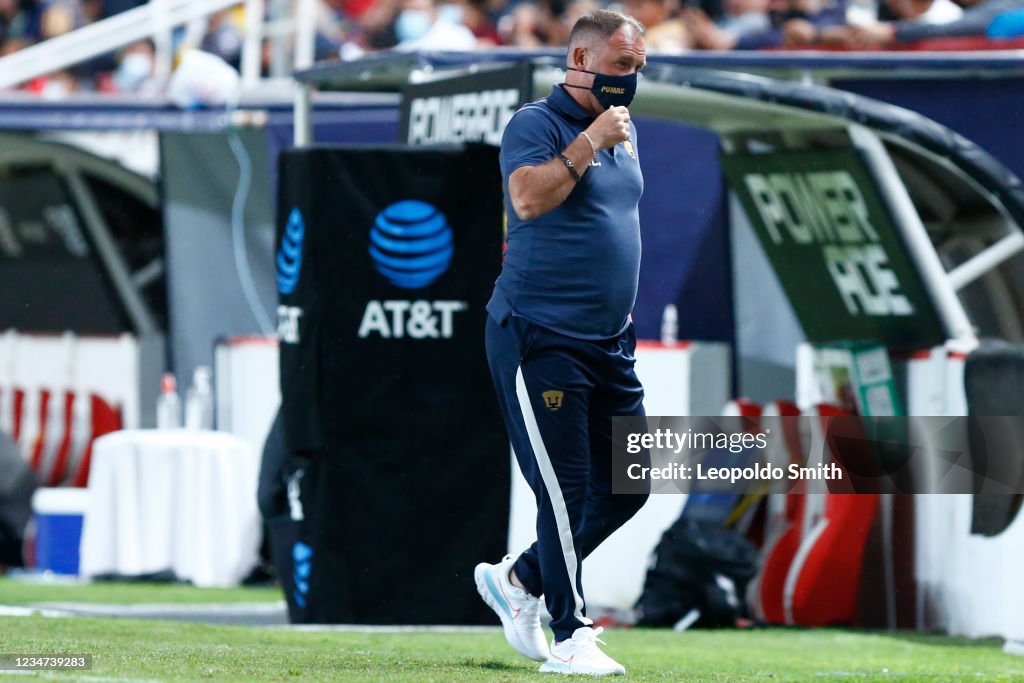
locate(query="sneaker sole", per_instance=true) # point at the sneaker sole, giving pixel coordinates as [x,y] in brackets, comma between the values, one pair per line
[491,596]
[566,670]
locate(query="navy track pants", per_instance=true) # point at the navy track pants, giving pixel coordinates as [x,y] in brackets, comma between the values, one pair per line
[558,395]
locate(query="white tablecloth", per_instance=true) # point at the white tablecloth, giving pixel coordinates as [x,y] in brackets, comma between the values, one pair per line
[176,500]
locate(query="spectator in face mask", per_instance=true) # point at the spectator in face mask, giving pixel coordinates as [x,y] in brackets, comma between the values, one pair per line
[429,25]
[134,72]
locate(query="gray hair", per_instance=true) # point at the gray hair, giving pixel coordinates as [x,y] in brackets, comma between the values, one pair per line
[601,23]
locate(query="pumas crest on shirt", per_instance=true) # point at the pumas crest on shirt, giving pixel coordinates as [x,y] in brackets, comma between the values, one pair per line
[629,148]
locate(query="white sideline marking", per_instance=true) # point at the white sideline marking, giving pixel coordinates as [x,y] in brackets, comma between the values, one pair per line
[887,672]
[18,611]
[65,676]
[67,609]
[156,608]
[369,628]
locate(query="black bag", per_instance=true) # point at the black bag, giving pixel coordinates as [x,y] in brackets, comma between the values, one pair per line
[698,577]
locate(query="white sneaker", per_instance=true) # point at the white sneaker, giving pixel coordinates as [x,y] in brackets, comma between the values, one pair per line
[581,655]
[518,610]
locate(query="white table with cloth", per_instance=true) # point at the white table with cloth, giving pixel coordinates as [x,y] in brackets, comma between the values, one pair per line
[176,500]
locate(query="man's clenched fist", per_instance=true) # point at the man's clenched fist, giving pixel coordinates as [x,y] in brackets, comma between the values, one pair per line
[610,128]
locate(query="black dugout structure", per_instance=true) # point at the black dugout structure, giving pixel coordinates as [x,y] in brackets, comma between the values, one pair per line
[385,260]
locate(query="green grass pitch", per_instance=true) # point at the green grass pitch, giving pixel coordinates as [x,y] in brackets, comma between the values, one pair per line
[126,649]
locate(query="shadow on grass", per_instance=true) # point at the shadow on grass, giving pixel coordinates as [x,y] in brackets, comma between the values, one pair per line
[942,640]
[933,639]
[490,664]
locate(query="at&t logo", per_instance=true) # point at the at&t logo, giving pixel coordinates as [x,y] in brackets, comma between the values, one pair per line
[289,255]
[411,244]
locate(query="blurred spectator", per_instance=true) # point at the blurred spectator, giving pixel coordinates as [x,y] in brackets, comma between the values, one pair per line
[934,12]
[974,21]
[61,16]
[12,45]
[112,7]
[476,18]
[575,10]
[351,9]
[54,86]
[745,16]
[19,24]
[333,29]
[521,27]
[562,16]
[742,18]
[665,33]
[803,23]
[136,65]
[546,23]
[351,27]
[224,36]
[432,25]
[377,24]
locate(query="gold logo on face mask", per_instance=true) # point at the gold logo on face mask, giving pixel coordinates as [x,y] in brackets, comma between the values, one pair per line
[553,399]
[612,90]
[629,148]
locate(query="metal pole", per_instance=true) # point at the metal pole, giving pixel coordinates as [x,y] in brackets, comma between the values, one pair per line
[252,48]
[908,222]
[305,34]
[110,255]
[302,115]
[985,260]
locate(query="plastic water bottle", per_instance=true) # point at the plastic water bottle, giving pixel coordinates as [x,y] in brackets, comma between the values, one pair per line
[199,400]
[168,406]
[670,325]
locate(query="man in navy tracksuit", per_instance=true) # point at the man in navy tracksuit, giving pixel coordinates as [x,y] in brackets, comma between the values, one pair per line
[560,338]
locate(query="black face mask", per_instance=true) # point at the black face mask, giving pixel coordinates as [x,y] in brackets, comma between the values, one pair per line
[610,91]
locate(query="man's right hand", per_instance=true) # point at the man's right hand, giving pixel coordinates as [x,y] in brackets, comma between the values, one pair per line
[610,128]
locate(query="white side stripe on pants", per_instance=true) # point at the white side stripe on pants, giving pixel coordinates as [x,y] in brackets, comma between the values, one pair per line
[547,473]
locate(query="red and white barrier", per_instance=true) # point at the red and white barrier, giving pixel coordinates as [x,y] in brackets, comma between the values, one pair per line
[822,583]
[783,519]
[59,392]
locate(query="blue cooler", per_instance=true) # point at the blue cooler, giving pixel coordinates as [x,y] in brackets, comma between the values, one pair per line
[58,517]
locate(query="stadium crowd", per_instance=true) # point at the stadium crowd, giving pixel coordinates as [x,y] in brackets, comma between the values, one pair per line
[349,28]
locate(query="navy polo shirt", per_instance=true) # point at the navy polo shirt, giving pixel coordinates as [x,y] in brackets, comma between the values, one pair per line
[575,269]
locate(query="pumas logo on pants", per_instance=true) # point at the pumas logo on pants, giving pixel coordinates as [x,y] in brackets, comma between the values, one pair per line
[553,398]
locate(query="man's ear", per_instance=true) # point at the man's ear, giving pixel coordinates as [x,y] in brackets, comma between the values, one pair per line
[579,57]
